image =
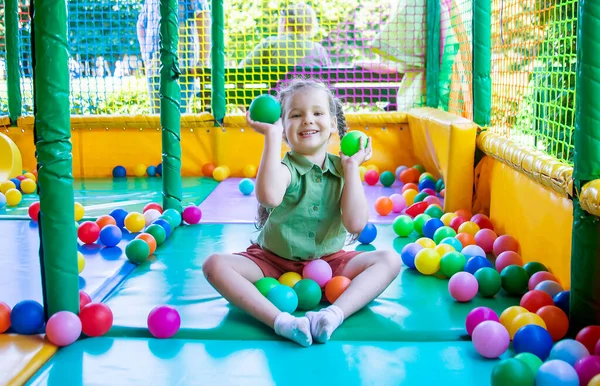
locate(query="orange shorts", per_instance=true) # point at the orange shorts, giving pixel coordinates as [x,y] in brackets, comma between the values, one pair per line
[274,266]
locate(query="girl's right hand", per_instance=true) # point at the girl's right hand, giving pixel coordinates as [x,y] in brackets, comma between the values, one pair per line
[265,128]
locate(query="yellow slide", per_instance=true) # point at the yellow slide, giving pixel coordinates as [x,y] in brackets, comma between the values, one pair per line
[11,164]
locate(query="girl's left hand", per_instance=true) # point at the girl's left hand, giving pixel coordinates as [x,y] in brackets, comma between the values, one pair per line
[362,156]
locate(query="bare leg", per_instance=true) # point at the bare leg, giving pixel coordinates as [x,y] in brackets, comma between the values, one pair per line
[233,276]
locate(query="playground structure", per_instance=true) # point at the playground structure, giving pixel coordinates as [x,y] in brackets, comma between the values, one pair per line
[544,195]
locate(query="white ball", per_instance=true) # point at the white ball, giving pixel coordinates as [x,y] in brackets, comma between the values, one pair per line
[150,215]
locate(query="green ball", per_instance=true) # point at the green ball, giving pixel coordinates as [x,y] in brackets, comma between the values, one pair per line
[426,176]
[434,211]
[420,168]
[512,372]
[420,197]
[489,281]
[173,217]
[514,280]
[442,232]
[533,267]
[350,143]
[420,221]
[531,360]
[439,185]
[309,294]
[137,251]
[265,108]
[403,225]
[452,262]
[266,284]
[158,232]
[387,178]
[365,248]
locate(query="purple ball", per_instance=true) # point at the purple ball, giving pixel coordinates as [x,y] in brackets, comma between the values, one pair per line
[556,372]
[319,271]
[164,322]
[491,339]
[587,368]
[408,254]
[472,251]
[63,328]
[463,286]
[479,315]
[192,214]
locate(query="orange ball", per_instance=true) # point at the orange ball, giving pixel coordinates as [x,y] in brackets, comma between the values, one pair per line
[464,213]
[149,239]
[384,206]
[557,322]
[465,239]
[409,175]
[335,287]
[207,169]
[105,220]
[410,185]
[4,317]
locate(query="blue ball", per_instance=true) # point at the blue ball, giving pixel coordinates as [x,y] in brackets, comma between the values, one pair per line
[556,373]
[533,339]
[284,298]
[2,200]
[368,234]
[477,262]
[426,183]
[246,186]
[568,350]
[27,317]
[159,169]
[432,225]
[151,171]
[111,235]
[561,299]
[408,254]
[399,170]
[119,216]
[119,172]
[454,242]
[17,183]
[165,225]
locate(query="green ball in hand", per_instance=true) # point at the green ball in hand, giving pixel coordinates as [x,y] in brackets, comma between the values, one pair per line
[265,108]
[350,144]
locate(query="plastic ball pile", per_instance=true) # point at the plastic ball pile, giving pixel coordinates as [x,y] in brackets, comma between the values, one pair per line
[139,170]
[12,191]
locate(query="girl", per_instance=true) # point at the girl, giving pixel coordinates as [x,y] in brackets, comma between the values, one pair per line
[309,201]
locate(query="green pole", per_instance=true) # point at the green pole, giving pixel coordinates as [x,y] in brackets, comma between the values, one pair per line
[13,81]
[170,101]
[432,72]
[58,251]
[482,58]
[218,61]
[585,251]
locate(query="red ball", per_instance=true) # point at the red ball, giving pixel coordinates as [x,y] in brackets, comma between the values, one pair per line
[84,299]
[483,221]
[429,191]
[508,258]
[34,211]
[96,319]
[485,239]
[505,243]
[455,222]
[536,299]
[371,177]
[88,232]
[21,177]
[589,336]
[153,205]
[416,209]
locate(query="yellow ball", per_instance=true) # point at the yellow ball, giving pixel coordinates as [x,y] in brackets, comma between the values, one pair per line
[249,171]
[221,173]
[135,222]
[507,316]
[409,196]
[426,242]
[28,186]
[468,227]
[427,261]
[13,197]
[139,170]
[30,176]
[290,279]
[6,186]
[79,211]
[362,170]
[425,175]
[595,381]
[447,217]
[442,249]
[523,320]
[80,262]
[373,167]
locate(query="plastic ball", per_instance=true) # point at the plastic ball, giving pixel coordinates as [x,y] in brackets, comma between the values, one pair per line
[416,209]
[556,373]
[4,317]
[426,242]
[557,322]
[163,322]
[568,350]
[28,186]
[139,170]
[173,217]
[33,211]
[398,203]
[595,381]
[514,280]
[135,222]
[371,177]
[463,286]
[465,239]
[409,175]
[119,215]
[534,300]
[452,263]
[191,215]
[111,235]
[246,186]
[539,277]
[410,185]
[408,254]
[442,249]
[151,171]
[284,298]
[550,287]
[456,244]
[6,186]
[309,294]
[505,243]
[152,205]
[409,196]
[150,215]
[588,336]
[490,339]
[105,220]
[265,108]
[533,339]
[508,258]
[383,206]
[290,279]
[84,299]
[119,172]
[149,239]
[468,227]
[208,169]
[508,315]
[249,171]
[419,168]
[420,197]
[442,233]
[361,171]
[336,287]
[587,368]
[368,234]
[399,170]
[137,251]
[475,263]
[80,262]
[63,328]
[13,197]
[511,372]
[387,178]
[434,211]
[525,319]
[96,319]
[433,201]
[419,222]
[403,225]
[532,361]
[439,185]
[266,284]
[157,232]
[319,271]
[456,222]
[88,232]
[447,218]
[427,261]
[431,226]
[27,317]
[427,184]
[472,251]
[31,176]
[478,315]
[485,239]
[533,267]
[159,169]
[562,301]
[489,282]
[163,224]
[220,173]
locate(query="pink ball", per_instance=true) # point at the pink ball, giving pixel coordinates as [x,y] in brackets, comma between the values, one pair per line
[164,322]
[192,214]
[319,271]
[63,328]
[587,368]
[539,277]
[485,239]
[429,191]
[505,243]
[463,286]
[479,315]
[491,339]
[432,200]
[508,258]
[399,202]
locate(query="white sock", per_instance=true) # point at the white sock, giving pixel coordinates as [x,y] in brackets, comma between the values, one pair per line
[293,328]
[325,322]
